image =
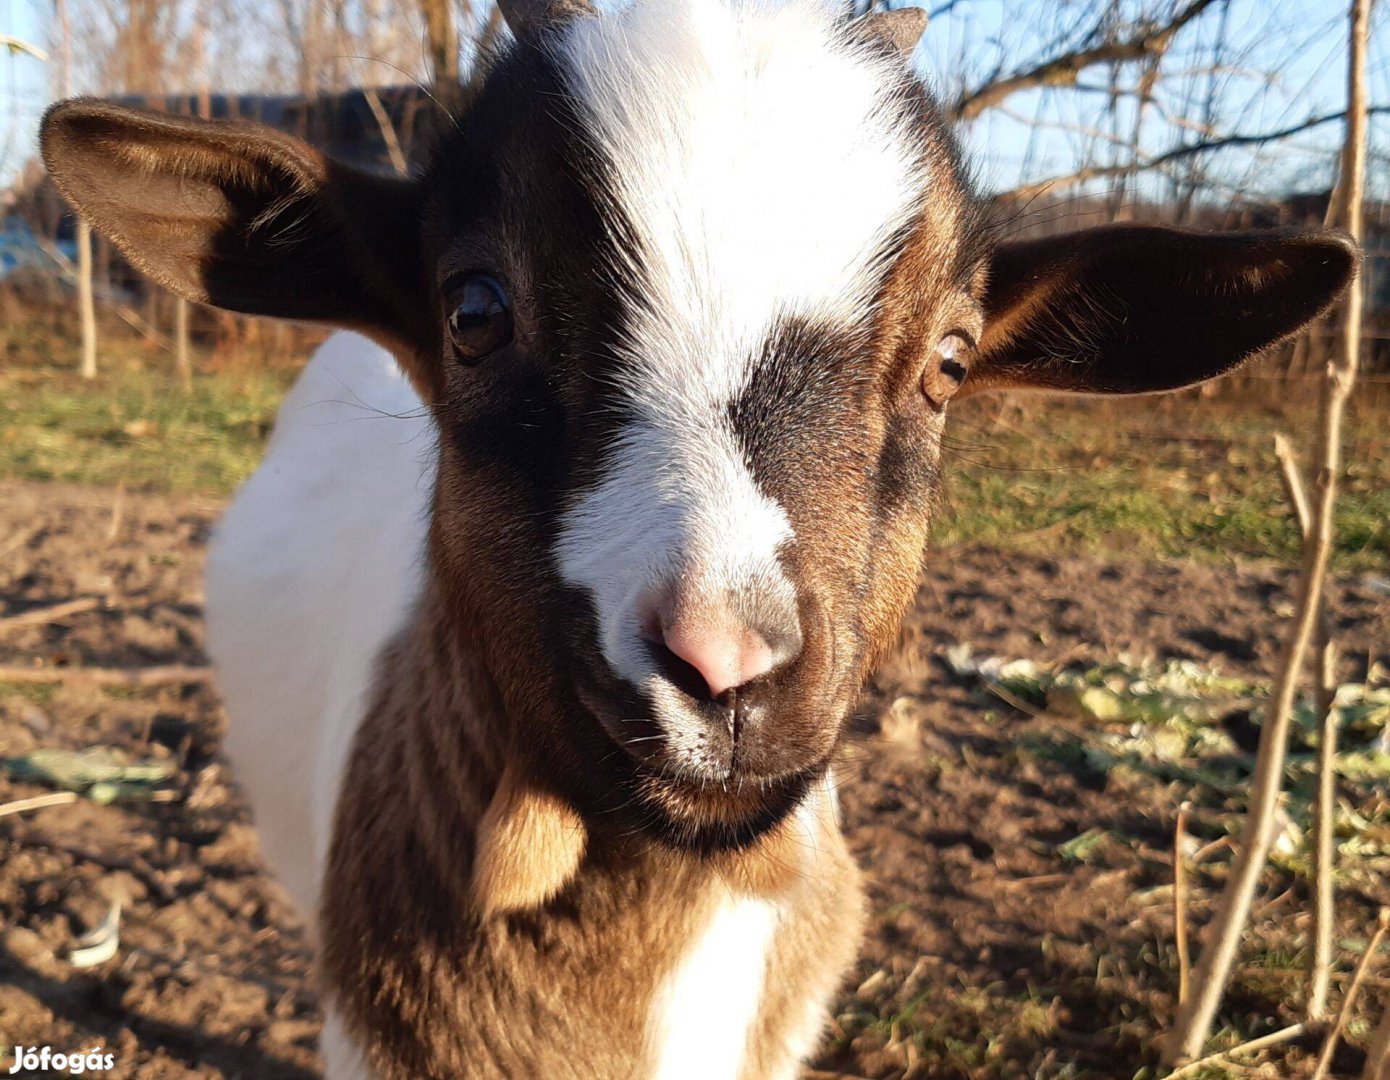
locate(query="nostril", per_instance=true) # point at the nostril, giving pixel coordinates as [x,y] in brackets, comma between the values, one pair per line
[680,673]
[723,653]
[708,649]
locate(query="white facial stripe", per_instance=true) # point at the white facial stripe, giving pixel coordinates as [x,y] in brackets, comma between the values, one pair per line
[762,164]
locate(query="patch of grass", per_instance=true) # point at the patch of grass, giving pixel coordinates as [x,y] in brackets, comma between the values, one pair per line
[1180,477]
[136,427]
[1186,476]
[40,694]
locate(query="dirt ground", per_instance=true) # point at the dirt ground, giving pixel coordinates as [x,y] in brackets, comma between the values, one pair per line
[990,953]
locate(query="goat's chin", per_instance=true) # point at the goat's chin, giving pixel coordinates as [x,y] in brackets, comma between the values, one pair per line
[672,802]
[717,818]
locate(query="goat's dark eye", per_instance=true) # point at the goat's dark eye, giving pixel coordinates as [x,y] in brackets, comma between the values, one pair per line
[947,367]
[480,317]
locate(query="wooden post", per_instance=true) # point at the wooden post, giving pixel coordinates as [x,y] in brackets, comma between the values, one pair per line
[86,303]
[182,361]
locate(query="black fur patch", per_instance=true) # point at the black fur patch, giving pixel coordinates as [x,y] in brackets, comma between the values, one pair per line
[804,398]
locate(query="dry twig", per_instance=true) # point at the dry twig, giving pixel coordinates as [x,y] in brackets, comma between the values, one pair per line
[107,860]
[1264,1042]
[1180,901]
[1324,820]
[38,802]
[1195,1016]
[388,131]
[1329,1047]
[1063,70]
[1378,1054]
[1175,155]
[1293,485]
[151,676]
[1324,808]
[51,614]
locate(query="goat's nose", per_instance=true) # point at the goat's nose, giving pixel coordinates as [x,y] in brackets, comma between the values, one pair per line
[726,651]
[724,656]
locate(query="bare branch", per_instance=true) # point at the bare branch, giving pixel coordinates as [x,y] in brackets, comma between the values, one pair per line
[1180,900]
[1177,153]
[18,45]
[1293,484]
[1194,1019]
[45,615]
[388,130]
[1349,1000]
[134,677]
[1064,70]
[1264,1042]
[38,802]
[1324,820]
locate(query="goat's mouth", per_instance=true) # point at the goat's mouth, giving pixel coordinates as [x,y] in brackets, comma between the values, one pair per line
[711,818]
[695,800]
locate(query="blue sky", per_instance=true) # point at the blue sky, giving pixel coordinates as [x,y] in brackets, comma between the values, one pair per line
[1291,66]
[23,82]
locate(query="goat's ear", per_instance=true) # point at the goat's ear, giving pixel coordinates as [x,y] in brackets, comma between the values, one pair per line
[243,217]
[1138,309]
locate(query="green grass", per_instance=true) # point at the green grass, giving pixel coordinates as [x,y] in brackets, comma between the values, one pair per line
[1181,477]
[137,428]
[1185,477]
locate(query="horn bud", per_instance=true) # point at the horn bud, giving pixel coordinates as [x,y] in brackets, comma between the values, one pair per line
[529,19]
[896,31]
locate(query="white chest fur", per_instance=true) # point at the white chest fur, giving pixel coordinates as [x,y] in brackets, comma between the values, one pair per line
[702,1019]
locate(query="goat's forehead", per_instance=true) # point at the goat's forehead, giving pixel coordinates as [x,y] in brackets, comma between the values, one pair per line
[756,166]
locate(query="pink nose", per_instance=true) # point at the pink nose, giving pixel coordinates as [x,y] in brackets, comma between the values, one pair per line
[725,654]
[727,643]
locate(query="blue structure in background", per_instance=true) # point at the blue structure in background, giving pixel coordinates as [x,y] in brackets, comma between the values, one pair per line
[20,248]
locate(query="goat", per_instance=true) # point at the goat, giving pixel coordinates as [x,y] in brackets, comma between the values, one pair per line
[538,626]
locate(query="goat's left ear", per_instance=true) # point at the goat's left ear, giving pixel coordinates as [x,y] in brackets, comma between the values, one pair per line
[243,217]
[1137,309]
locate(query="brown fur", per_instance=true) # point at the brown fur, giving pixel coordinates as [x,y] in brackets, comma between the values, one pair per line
[530,844]
[441,985]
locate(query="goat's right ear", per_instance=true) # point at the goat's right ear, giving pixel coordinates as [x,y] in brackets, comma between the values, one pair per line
[245,218]
[1138,309]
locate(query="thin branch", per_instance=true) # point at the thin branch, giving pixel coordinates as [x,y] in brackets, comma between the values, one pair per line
[388,130]
[109,860]
[1378,1054]
[44,615]
[1324,820]
[135,677]
[1180,901]
[1293,485]
[1064,70]
[1178,153]
[1264,1042]
[38,802]
[1329,1047]
[1194,1019]
[19,45]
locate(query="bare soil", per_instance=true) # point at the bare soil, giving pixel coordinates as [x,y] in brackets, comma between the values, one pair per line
[989,954]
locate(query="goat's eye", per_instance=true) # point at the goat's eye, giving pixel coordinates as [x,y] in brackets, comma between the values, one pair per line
[480,317]
[947,367]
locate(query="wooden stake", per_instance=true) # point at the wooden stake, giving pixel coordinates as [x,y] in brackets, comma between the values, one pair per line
[1180,901]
